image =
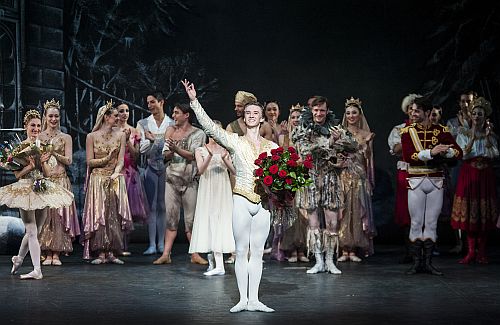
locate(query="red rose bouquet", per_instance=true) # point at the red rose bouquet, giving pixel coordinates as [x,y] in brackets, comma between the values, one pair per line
[281,174]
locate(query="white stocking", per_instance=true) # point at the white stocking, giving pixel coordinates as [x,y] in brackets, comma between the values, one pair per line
[219,261]
[251,225]
[259,231]
[30,239]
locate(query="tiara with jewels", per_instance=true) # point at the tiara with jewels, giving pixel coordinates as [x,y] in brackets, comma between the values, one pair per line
[51,104]
[353,102]
[32,113]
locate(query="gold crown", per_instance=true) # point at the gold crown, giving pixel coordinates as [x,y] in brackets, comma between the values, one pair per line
[483,103]
[297,107]
[32,113]
[109,104]
[51,104]
[353,102]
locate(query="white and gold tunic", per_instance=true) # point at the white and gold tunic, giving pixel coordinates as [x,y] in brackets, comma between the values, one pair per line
[241,149]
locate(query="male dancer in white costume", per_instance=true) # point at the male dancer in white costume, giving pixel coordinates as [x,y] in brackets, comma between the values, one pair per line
[251,221]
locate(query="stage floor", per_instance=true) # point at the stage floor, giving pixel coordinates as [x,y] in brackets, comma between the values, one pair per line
[374,291]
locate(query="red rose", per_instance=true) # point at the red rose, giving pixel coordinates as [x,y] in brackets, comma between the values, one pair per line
[268,180]
[282,173]
[263,155]
[308,164]
[294,156]
[309,157]
[280,150]
[291,163]
[275,158]
[259,172]
[273,169]
[288,180]
[273,151]
[291,150]
[258,162]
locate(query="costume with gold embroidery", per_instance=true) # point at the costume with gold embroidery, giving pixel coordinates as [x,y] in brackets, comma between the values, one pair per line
[417,140]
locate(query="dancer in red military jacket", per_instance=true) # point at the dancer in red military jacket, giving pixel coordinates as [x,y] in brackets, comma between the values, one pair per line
[426,147]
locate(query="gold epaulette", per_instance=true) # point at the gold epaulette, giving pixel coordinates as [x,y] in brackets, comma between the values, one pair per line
[405,129]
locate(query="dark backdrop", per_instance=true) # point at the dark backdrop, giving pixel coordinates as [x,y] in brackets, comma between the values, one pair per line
[378,51]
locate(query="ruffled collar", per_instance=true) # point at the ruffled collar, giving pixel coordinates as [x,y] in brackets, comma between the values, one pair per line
[306,122]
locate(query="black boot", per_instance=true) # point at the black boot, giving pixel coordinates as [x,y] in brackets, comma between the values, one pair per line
[416,251]
[428,249]
[408,257]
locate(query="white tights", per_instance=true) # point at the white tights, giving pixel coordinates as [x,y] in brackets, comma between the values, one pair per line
[425,200]
[251,224]
[33,221]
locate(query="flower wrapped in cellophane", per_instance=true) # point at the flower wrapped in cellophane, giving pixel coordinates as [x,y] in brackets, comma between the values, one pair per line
[14,154]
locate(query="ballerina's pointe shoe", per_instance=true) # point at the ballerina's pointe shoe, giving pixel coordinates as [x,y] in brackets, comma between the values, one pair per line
[16,264]
[35,275]
[354,258]
[343,258]
[163,260]
[115,260]
[98,261]
[47,261]
[303,259]
[215,272]
[241,306]
[56,262]
[292,259]
[258,306]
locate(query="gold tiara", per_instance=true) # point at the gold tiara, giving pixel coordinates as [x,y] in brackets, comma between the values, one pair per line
[109,105]
[32,113]
[51,104]
[353,102]
[296,107]
[483,103]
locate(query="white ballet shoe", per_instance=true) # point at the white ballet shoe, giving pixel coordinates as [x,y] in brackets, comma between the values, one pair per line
[215,272]
[115,260]
[258,306]
[35,275]
[292,259]
[241,306]
[343,258]
[48,261]
[56,262]
[16,264]
[150,251]
[354,258]
[303,259]
[98,261]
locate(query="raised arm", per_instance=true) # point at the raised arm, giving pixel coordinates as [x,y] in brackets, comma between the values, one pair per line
[225,138]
